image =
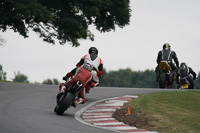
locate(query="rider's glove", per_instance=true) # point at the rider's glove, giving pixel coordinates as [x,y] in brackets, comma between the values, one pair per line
[100,73]
[67,76]
[64,78]
[78,65]
[92,84]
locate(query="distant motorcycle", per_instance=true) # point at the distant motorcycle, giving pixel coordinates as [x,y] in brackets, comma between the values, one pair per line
[166,77]
[184,83]
[68,98]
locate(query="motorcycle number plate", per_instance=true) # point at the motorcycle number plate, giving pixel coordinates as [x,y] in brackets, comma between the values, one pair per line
[185,86]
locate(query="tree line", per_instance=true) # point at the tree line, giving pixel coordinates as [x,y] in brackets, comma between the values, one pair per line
[20,77]
[119,78]
[129,78]
[134,79]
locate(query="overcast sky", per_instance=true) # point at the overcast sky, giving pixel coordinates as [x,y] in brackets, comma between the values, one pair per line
[153,23]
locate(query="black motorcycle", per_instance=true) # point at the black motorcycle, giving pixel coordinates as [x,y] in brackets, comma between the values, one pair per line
[166,76]
[184,83]
[68,98]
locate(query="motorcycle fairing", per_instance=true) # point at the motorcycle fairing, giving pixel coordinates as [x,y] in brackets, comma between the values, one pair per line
[164,66]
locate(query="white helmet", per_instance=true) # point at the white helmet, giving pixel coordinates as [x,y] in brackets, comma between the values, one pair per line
[88,65]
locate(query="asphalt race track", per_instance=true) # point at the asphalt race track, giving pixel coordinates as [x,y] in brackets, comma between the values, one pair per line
[28,108]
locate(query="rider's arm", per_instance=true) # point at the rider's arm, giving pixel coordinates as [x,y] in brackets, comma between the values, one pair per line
[100,72]
[175,59]
[74,70]
[70,74]
[177,77]
[159,58]
[193,73]
[80,63]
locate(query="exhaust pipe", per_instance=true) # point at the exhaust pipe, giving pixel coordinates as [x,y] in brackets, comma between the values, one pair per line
[79,84]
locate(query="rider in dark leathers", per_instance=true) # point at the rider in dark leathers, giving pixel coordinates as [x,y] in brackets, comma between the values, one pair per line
[188,73]
[167,55]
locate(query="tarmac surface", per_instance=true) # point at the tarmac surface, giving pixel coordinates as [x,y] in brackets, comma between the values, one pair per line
[28,108]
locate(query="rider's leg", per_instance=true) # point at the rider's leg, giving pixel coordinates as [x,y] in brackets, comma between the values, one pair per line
[62,89]
[81,97]
[191,86]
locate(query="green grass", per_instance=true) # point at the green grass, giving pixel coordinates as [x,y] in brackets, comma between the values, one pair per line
[4,81]
[171,112]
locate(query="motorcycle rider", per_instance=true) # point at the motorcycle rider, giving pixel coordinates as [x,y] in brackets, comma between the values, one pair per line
[188,73]
[97,69]
[167,55]
[82,74]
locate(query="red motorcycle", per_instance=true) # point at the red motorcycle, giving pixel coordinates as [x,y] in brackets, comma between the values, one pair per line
[68,98]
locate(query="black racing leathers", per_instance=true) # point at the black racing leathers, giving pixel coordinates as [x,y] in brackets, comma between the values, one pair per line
[168,55]
[187,72]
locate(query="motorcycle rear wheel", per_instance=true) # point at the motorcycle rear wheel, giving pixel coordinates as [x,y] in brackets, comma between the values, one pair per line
[64,104]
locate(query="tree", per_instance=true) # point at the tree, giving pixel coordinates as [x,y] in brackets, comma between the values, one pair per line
[2,73]
[20,78]
[51,82]
[65,20]
[1,40]
[48,81]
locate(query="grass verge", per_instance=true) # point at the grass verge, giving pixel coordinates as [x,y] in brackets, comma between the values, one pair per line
[5,81]
[172,112]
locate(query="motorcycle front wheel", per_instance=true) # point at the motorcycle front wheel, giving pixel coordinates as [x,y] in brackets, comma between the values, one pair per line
[162,82]
[64,104]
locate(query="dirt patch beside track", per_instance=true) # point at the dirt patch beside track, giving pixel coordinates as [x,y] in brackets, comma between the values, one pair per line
[135,119]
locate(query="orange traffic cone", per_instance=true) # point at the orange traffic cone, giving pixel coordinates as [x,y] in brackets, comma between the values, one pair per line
[128,111]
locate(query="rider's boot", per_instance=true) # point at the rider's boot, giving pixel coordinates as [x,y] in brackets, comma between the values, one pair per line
[61,91]
[87,88]
[78,101]
[191,86]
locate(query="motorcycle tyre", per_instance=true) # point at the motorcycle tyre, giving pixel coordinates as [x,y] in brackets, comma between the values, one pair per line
[162,81]
[62,106]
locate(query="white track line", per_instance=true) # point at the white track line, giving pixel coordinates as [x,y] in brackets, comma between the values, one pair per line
[100,110]
[103,119]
